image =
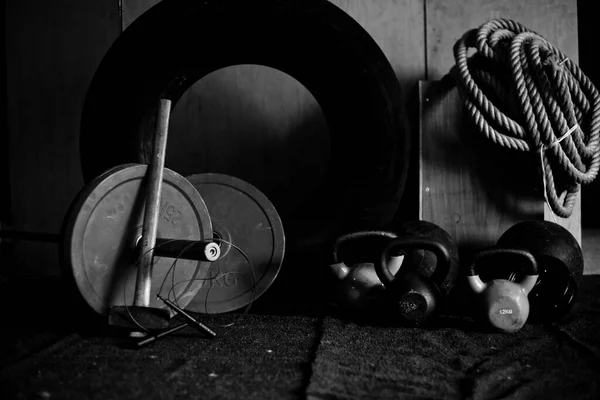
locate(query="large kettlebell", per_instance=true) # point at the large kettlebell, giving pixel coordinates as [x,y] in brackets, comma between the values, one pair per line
[359,289]
[428,271]
[560,265]
[504,303]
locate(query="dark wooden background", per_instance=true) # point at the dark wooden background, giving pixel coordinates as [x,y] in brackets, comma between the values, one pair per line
[236,116]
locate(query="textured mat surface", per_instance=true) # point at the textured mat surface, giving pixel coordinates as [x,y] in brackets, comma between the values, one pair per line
[365,362]
[296,357]
[260,357]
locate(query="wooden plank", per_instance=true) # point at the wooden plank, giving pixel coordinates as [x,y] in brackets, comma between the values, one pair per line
[474,207]
[53,49]
[263,126]
[446,22]
[591,253]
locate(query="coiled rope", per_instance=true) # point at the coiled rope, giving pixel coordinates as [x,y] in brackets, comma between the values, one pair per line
[525,94]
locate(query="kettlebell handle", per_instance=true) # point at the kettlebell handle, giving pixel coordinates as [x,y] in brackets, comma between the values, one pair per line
[403,244]
[531,268]
[356,236]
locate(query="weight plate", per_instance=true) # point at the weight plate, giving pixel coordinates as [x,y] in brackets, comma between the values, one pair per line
[244,217]
[101,231]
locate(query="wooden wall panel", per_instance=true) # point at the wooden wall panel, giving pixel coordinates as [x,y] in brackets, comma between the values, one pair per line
[448,20]
[398,27]
[131,9]
[5,211]
[255,123]
[447,189]
[52,51]
[262,125]
[587,29]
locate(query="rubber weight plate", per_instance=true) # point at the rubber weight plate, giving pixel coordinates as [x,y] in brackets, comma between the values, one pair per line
[243,216]
[102,227]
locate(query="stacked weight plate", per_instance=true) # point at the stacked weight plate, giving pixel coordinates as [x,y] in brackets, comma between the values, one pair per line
[105,223]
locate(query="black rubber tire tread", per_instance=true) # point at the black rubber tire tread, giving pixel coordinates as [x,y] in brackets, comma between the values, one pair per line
[177,42]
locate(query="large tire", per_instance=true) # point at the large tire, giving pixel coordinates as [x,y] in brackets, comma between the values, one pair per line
[177,42]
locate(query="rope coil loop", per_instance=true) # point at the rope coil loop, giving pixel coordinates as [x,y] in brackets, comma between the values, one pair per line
[523,93]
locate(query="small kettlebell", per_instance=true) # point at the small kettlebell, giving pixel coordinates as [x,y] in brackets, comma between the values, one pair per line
[360,289]
[560,266]
[504,303]
[414,295]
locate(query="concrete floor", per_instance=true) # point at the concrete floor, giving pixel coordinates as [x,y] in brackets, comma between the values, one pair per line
[591,251]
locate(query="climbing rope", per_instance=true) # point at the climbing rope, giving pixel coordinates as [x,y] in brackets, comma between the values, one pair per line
[524,94]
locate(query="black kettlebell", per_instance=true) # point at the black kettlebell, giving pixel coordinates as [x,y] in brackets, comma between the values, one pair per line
[560,265]
[359,290]
[427,273]
[425,261]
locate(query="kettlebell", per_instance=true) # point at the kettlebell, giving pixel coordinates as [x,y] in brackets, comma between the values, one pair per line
[560,266]
[425,261]
[414,294]
[359,290]
[504,303]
